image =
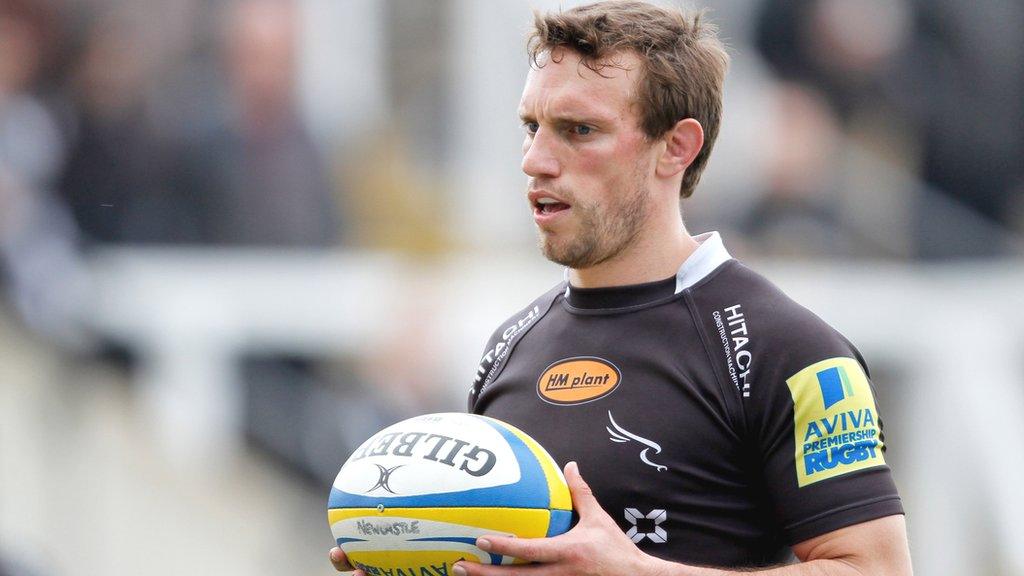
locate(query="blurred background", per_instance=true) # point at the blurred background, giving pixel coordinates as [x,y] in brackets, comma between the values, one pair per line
[238,237]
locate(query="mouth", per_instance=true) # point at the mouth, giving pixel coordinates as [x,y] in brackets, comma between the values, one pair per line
[549,206]
[546,206]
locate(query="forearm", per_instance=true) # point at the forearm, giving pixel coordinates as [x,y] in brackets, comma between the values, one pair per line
[813,568]
[874,547]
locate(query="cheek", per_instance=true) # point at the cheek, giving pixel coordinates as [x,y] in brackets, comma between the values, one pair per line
[612,154]
[631,148]
[601,160]
[610,171]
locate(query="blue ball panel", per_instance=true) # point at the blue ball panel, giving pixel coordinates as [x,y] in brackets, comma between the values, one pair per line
[559,523]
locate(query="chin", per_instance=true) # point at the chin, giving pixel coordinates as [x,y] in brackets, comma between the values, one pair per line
[551,252]
[563,256]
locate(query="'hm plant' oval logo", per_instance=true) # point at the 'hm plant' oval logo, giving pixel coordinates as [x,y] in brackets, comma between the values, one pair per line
[578,380]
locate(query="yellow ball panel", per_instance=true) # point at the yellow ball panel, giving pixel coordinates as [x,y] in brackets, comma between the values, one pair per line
[523,522]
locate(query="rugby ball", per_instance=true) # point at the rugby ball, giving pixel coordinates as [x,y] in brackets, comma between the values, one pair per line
[413,499]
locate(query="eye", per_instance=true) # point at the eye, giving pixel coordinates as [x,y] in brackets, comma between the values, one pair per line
[531,127]
[582,130]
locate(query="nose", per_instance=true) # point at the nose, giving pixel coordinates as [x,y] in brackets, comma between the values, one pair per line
[539,157]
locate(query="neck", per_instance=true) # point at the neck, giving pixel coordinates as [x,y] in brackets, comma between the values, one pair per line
[653,256]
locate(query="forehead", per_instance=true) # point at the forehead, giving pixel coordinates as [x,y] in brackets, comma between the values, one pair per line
[563,85]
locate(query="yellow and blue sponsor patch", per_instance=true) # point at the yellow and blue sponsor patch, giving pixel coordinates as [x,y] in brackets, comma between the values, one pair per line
[835,421]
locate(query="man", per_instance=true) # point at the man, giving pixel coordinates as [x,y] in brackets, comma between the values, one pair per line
[720,423]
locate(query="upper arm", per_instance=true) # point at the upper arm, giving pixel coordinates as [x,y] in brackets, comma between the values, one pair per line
[816,430]
[874,547]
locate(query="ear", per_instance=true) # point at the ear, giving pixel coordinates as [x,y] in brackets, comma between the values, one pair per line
[682,143]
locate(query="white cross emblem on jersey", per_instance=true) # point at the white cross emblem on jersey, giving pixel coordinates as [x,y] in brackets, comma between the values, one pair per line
[652,520]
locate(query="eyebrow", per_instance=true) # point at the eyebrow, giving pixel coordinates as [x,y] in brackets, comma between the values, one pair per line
[586,117]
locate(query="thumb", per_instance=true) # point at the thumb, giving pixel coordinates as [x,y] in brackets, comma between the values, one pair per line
[582,496]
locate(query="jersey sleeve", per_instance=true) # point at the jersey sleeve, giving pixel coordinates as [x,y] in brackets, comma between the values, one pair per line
[814,428]
[503,340]
[491,351]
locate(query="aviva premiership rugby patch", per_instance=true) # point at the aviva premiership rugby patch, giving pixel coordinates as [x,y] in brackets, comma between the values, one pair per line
[835,420]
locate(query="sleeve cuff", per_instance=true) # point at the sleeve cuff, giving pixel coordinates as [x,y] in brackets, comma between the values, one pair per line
[843,517]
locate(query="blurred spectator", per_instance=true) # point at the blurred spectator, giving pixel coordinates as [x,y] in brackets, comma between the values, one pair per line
[39,265]
[964,70]
[30,142]
[844,48]
[252,167]
[937,87]
[39,268]
[256,171]
[797,213]
[112,180]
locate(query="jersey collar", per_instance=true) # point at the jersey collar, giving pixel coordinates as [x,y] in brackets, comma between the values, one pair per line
[710,254]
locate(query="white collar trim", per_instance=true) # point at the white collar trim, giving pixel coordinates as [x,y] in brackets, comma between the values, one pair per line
[710,254]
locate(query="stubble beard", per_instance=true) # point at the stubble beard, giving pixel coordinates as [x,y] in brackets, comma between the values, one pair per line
[602,233]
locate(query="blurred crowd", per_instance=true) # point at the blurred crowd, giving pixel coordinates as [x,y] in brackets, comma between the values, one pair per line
[933,87]
[177,123]
[150,123]
[137,135]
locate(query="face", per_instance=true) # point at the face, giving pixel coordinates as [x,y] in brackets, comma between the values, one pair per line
[588,161]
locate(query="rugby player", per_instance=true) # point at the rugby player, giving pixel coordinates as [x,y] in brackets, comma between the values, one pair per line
[722,426]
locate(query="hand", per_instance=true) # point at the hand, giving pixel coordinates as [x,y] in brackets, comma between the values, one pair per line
[596,546]
[341,562]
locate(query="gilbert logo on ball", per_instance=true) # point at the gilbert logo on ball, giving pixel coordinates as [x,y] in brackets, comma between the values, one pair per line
[413,499]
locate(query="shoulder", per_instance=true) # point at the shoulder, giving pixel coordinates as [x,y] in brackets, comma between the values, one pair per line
[504,337]
[739,294]
[527,315]
[758,333]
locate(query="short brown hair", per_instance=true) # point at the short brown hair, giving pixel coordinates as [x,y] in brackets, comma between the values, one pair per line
[683,61]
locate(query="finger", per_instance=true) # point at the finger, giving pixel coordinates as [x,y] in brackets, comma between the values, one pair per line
[339,560]
[529,549]
[583,500]
[477,569]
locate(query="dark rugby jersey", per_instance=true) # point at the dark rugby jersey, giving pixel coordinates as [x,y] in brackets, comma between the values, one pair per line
[717,421]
